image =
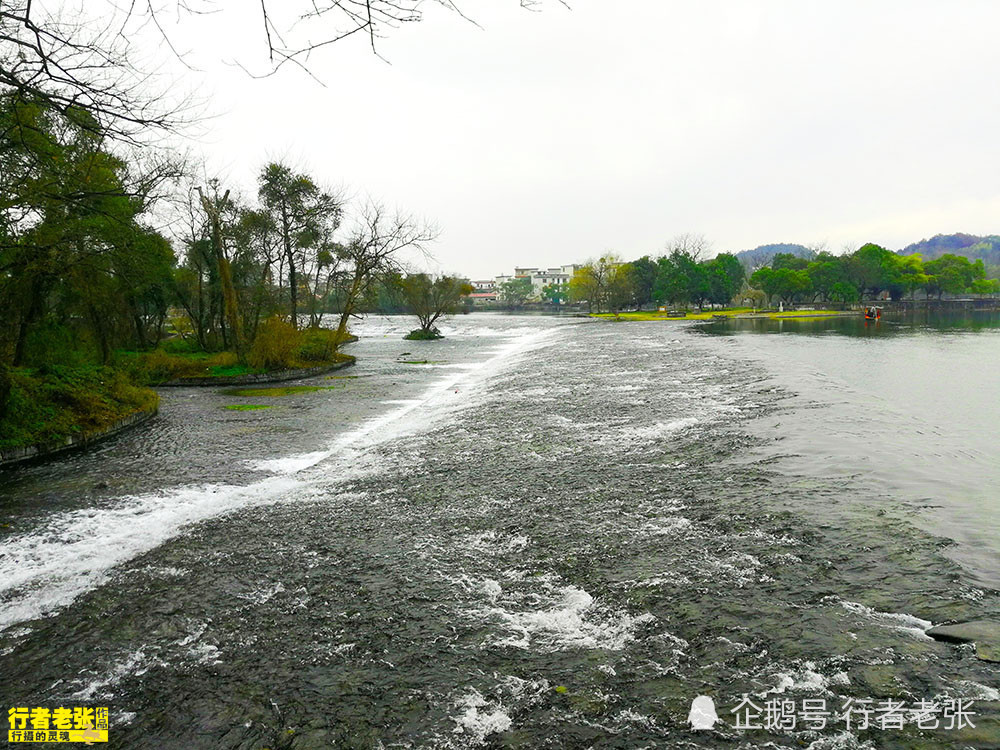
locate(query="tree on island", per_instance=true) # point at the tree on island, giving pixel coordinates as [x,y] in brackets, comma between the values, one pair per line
[430,299]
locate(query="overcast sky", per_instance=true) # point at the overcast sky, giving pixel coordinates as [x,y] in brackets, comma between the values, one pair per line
[548,138]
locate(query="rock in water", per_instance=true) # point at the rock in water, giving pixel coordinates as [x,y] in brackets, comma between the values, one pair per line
[984,633]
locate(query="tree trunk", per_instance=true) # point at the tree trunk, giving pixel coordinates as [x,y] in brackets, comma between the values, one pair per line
[102,335]
[286,238]
[27,317]
[348,308]
[230,303]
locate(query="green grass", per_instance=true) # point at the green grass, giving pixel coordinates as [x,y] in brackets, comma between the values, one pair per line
[225,371]
[248,407]
[278,391]
[161,366]
[52,403]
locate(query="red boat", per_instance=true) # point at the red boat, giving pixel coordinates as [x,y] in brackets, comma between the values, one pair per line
[873,313]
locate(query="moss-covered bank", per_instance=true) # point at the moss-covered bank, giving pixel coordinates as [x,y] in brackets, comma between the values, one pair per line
[279,353]
[50,408]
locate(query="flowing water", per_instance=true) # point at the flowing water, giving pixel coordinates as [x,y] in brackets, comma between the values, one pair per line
[538,532]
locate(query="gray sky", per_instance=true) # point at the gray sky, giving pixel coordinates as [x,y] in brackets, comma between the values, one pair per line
[552,137]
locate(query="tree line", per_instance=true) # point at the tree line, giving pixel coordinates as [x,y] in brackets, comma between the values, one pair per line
[681,277]
[868,273]
[100,252]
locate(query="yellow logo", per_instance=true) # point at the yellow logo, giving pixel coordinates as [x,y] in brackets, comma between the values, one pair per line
[79,724]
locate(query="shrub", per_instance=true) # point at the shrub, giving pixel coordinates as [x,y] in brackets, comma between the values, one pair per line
[275,346]
[421,334]
[318,345]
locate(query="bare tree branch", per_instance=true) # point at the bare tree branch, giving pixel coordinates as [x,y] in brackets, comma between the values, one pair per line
[87,63]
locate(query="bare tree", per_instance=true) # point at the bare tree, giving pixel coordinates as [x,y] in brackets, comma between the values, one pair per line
[694,245]
[85,61]
[321,24]
[373,253]
[81,64]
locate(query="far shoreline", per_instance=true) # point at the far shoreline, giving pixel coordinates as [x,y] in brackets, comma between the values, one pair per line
[727,315]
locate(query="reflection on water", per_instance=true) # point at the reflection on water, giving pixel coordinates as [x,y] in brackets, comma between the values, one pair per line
[911,402]
[892,324]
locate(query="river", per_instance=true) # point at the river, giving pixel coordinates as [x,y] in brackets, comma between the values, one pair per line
[537,532]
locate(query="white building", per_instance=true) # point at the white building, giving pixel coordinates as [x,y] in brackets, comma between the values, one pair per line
[543,277]
[540,278]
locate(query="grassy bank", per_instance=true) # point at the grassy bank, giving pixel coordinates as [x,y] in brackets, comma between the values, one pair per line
[50,404]
[734,312]
[277,347]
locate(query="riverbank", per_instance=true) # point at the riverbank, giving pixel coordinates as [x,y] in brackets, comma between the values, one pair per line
[274,376]
[48,410]
[299,354]
[741,312]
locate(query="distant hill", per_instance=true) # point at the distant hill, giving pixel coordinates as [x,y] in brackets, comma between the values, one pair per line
[971,246]
[761,256]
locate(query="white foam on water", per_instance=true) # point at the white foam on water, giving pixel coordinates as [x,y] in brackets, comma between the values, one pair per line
[46,569]
[205,653]
[493,542]
[841,741]
[628,716]
[571,621]
[135,663]
[484,587]
[806,678]
[897,621]
[478,719]
[263,595]
[289,464]
[657,430]
[976,691]
[164,571]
